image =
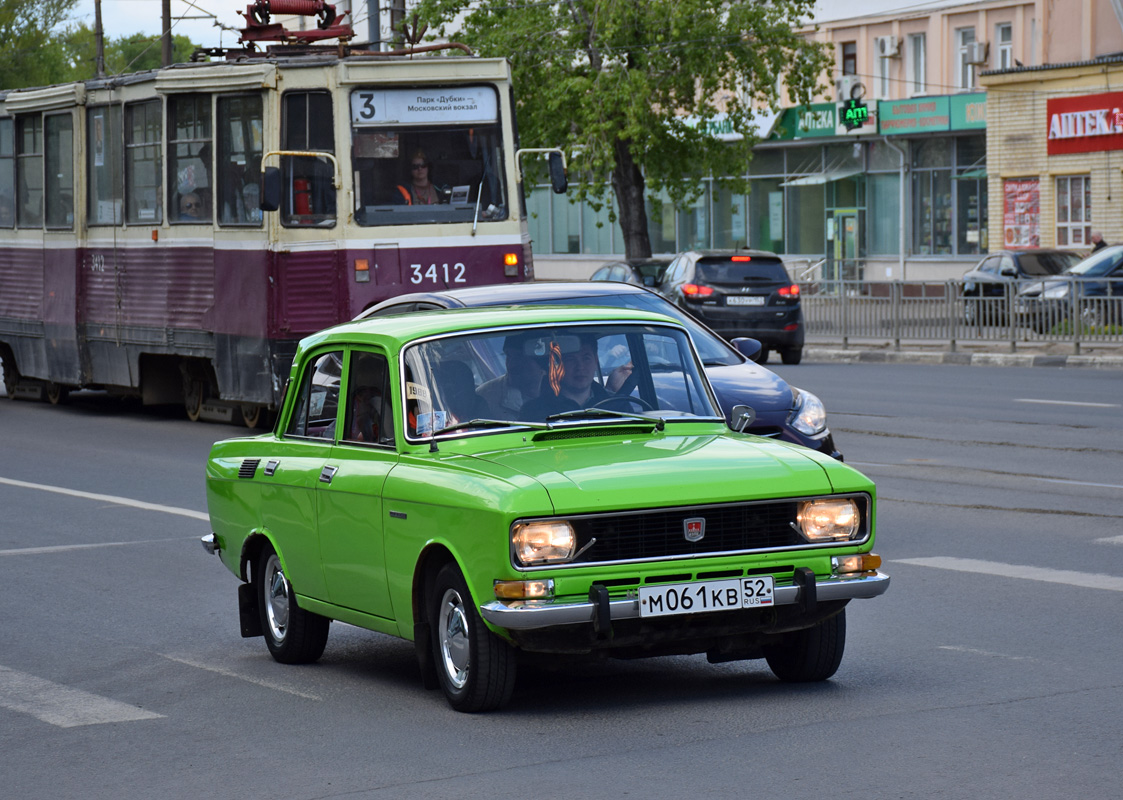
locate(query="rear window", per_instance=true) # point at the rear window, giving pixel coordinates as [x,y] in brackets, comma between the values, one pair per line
[1047,263]
[726,270]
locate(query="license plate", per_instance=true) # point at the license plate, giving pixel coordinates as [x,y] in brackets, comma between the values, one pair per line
[745,300]
[705,596]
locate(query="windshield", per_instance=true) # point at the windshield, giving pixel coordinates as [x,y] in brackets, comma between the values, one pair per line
[533,374]
[1100,264]
[427,155]
[1041,264]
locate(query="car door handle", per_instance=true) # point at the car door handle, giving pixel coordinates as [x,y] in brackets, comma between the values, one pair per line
[327,473]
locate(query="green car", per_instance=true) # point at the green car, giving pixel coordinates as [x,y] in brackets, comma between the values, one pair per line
[561,481]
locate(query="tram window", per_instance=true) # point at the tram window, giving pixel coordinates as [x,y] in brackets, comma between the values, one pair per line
[29,172]
[427,155]
[240,146]
[189,158]
[309,187]
[104,182]
[143,130]
[60,170]
[7,173]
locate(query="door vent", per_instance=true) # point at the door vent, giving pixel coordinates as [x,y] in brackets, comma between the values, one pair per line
[248,468]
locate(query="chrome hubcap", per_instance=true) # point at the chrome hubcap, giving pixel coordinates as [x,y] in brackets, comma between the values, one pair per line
[276,598]
[452,627]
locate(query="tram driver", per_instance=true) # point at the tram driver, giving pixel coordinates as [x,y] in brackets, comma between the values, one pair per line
[420,190]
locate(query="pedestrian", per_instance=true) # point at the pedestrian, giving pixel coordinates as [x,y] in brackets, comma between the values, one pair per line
[1098,242]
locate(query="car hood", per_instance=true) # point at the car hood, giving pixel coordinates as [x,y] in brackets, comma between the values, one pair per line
[768,394]
[585,473]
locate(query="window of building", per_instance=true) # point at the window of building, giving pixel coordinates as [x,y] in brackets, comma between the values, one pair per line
[189,159]
[766,214]
[729,219]
[29,171]
[309,194]
[964,38]
[849,58]
[917,56]
[143,131]
[60,170]
[240,145]
[1004,39]
[105,189]
[1074,210]
[883,63]
[7,173]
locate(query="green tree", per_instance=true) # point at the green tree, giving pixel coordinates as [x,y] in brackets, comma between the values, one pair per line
[26,57]
[140,51]
[628,85]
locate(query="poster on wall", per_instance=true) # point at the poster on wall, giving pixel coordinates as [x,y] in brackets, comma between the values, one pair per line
[1021,220]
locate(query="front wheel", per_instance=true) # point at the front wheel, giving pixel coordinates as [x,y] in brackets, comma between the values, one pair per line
[293,635]
[476,668]
[812,654]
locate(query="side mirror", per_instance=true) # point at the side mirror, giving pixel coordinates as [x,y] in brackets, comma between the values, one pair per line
[557,173]
[749,348]
[742,416]
[1009,272]
[270,189]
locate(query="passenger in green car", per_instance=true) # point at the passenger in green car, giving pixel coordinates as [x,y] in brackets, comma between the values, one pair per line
[571,387]
[522,382]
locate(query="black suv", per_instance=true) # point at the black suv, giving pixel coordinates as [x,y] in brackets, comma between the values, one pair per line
[739,293]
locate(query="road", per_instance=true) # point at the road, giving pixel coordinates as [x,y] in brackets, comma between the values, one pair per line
[991,668]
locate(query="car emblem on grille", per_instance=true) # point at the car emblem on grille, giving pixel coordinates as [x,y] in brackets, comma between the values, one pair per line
[694,529]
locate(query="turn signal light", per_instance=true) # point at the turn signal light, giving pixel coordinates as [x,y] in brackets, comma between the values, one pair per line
[524,590]
[694,290]
[866,562]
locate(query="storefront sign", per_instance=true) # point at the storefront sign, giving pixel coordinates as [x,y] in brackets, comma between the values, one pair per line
[918,115]
[807,122]
[968,111]
[855,114]
[1085,124]
[1021,220]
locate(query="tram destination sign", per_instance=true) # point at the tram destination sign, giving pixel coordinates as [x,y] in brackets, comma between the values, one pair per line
[462,104]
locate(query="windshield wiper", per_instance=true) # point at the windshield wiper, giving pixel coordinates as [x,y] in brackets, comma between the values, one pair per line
[579,413]
[488,423]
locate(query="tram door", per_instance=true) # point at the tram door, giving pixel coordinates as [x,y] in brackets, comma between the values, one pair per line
[843,262]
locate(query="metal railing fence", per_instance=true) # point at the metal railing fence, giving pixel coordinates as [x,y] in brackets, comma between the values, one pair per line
[1076,311]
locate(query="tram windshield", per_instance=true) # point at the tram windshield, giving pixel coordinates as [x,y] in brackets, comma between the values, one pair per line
[427,155]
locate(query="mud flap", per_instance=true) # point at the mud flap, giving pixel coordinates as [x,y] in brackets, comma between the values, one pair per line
[248,615]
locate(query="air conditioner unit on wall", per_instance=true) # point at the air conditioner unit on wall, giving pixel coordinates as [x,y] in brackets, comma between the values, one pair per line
[846,86]
[977,52]
[888,46]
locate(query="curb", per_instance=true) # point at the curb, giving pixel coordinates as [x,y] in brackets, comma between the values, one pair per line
[839,356]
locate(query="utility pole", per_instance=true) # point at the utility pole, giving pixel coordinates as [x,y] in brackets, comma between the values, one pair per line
[374,24]
[167,37]
[99,38]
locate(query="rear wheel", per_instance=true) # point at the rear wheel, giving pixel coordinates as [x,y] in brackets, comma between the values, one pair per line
[293,635]
[252,415]
[792,355]
[57,394]
[475,668]
[193,399]
[812,654]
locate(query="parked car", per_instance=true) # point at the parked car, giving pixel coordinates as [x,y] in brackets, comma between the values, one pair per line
[782,411]
[641,272]
[627,521]
[989,287]
[1095,285]
[739,293]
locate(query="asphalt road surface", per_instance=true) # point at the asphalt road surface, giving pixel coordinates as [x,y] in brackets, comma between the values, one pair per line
[990,669]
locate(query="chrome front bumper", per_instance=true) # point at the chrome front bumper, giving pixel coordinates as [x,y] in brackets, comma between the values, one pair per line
[521,615]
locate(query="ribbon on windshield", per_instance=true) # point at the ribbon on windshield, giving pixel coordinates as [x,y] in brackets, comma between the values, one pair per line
[557,369]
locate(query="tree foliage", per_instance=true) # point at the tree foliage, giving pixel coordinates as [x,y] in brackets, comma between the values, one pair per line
[627,85]
[26,55]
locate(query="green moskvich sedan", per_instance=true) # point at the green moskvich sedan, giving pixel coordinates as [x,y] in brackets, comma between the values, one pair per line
[487,482]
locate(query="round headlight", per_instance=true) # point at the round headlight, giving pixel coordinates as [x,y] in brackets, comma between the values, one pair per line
[829,520]
[537,543]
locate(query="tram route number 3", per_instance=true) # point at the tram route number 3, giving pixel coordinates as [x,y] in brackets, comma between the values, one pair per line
[437,273]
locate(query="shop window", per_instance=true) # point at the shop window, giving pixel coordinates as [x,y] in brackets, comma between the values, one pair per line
[596,230]
[240,145]
[971,224]
[767,162]
[189,159]
[1074,211]
[694,223]
[884,214]
[105,182]
[566,226]
[661,223]
[538,218]
[806,219]
[59,164]
[729,219]
[766,215]
[29,172]
[309,194]
[918,59]
[7,173]
[932,212]
[143,131]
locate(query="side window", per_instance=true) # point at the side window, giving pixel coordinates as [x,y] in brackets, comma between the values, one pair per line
[105,188]
[143,131]
[60,170]
[370,415]
[318,402]
[309,195]
[989,265]
[189,158]
[240,143]
[29,171]
[7,173]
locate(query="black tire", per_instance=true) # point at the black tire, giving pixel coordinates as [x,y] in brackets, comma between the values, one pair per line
[812,654]
[193,399]
[253,416]
[293,635]
[57,394]
[762,356]
[475,668]
[792,356]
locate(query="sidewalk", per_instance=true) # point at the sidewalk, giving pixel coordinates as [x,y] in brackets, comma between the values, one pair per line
[976,354]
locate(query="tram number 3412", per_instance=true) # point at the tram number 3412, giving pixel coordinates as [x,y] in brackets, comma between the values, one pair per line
[435,273]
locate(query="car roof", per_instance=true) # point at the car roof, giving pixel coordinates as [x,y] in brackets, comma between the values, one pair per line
[513,293]
[727,253]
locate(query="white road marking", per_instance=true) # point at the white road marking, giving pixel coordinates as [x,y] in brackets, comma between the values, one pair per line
[1065,403]
[1079,483]
[231,674]
[107,498]
[1027,477]
[1109,540]
[1087,580]
[987,653]
[60,548]
[62,705]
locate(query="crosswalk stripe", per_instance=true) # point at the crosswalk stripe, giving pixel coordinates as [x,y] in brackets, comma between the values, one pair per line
[1087,580]
[61,705]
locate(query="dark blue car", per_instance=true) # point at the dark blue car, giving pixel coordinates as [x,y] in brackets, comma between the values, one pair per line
[782,411]
[1090,292]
